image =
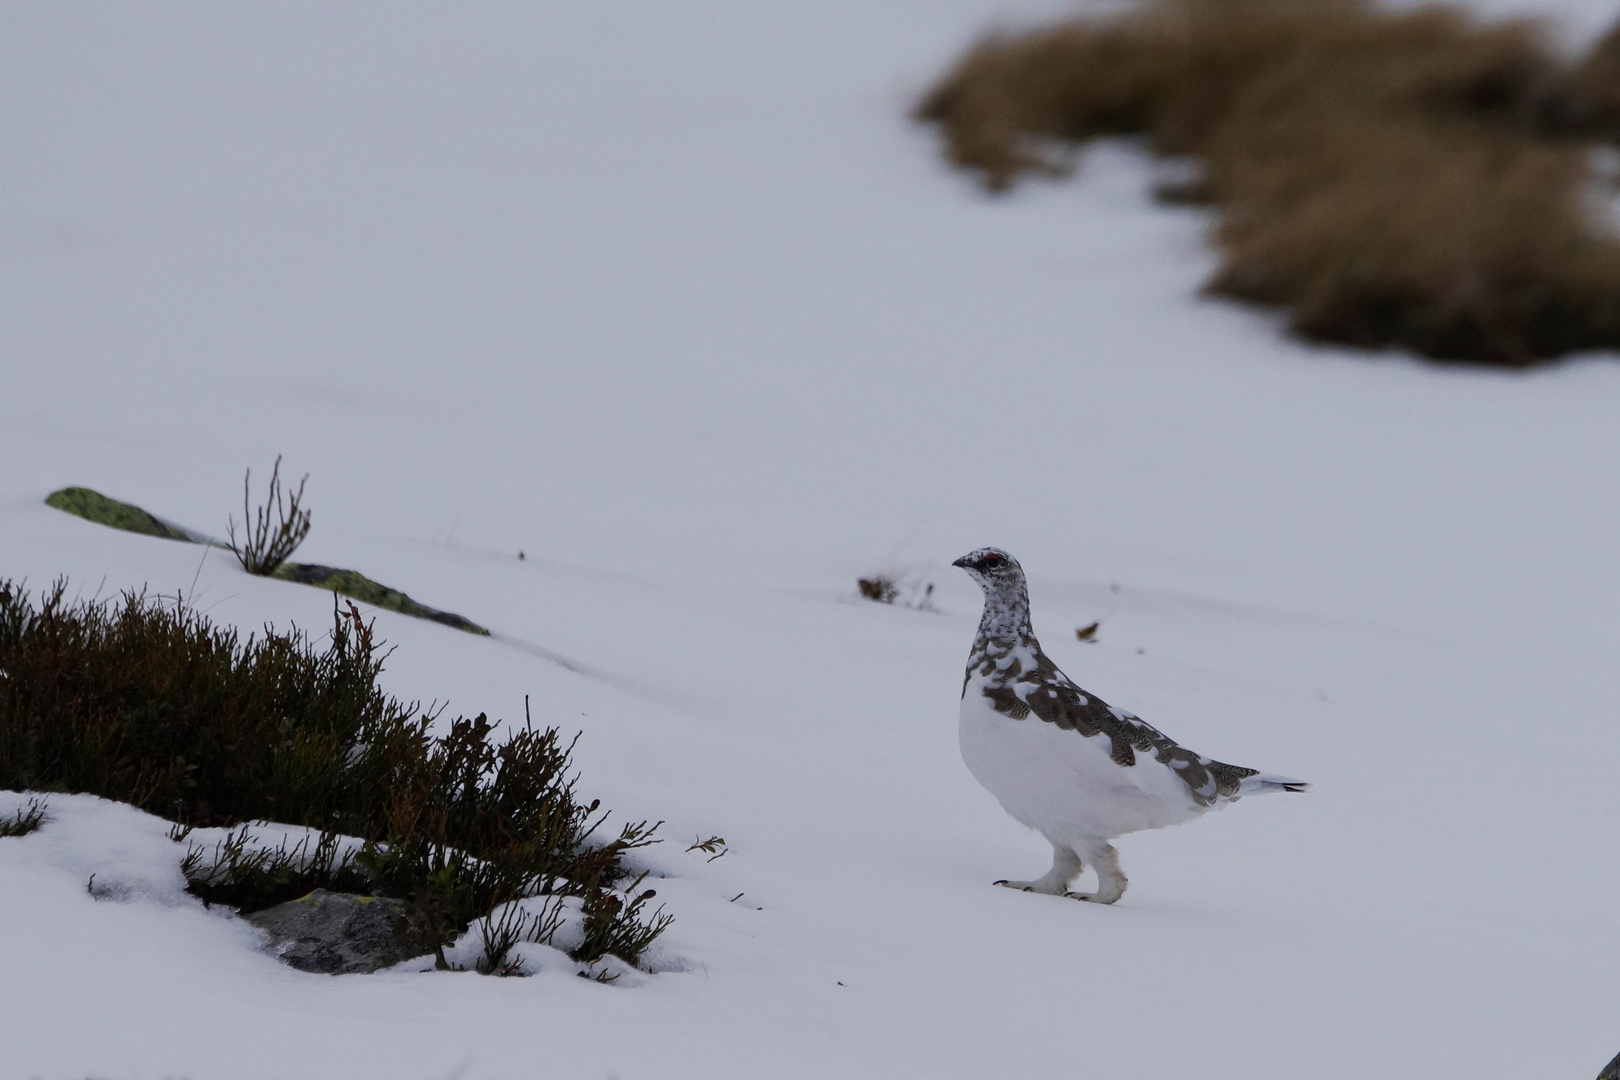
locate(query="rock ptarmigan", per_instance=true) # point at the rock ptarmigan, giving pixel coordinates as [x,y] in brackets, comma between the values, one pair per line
[1062,761]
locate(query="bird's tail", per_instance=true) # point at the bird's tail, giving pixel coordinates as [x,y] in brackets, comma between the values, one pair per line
[1260,783]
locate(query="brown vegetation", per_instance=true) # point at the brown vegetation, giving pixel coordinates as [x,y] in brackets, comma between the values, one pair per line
[267,543]
[150,704]
[1408,178]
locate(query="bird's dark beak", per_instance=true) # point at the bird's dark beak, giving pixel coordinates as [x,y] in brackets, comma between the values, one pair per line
[962,562]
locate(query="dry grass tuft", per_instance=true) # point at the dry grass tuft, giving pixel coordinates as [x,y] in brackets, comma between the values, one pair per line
[28,818]
[1413,178]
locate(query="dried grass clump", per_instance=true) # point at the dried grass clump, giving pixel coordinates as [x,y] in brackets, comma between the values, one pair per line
[149,704]
[1411,179]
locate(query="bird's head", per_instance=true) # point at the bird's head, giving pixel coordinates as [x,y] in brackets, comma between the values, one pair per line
[1006,600]
[992,568]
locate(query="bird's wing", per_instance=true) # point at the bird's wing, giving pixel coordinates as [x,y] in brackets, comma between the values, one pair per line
[1055,699]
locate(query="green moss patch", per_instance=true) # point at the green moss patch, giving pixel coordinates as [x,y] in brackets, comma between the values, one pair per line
[96,507]
[355,584]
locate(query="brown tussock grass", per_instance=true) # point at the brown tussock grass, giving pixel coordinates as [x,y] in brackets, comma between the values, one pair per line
[1414,179]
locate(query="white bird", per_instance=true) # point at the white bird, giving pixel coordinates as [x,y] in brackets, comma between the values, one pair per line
[1065,763]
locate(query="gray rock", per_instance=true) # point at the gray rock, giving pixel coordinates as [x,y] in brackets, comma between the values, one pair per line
[335,933]
[1612,1070]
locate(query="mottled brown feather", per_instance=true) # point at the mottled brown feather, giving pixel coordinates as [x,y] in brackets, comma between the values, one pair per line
[1054,699]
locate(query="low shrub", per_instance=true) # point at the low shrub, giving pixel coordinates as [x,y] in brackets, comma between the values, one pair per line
[150,704]
[1403,178]
[272,532]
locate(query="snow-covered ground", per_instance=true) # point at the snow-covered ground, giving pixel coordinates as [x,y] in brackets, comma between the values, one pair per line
[673,299]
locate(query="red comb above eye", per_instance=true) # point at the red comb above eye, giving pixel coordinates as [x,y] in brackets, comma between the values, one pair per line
[992,558]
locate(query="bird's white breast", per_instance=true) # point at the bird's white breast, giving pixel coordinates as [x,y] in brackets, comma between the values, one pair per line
[1063,783]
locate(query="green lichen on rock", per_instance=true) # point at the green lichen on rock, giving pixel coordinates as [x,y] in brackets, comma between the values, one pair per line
[94,506]
[355,584]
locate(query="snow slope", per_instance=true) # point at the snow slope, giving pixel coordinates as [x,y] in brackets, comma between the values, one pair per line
[673,299]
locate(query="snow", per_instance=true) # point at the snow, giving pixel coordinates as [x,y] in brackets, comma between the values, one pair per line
[673,299]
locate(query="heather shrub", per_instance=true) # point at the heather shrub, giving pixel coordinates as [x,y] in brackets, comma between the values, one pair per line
[150,704]
[273,531]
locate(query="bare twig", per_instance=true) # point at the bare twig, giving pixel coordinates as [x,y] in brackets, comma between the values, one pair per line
[268,543]
[713,847]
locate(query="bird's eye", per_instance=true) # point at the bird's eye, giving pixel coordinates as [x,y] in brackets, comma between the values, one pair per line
[993,560]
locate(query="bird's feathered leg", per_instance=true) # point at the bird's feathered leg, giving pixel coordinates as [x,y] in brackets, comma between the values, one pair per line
[1111,880]
[1055,882]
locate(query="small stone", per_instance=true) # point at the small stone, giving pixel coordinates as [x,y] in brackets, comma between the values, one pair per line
[335,933]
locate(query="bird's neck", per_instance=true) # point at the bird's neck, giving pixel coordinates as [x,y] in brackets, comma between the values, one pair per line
[1005,627]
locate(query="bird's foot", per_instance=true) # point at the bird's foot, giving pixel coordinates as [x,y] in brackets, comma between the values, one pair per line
[1037,886]
[1107,892]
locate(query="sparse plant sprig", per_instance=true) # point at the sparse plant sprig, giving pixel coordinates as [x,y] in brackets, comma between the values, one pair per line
[603,974]
[713,847]
[509,924]
[273,531]
[637,835]
[617,925]
[29,817]
[499,935]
